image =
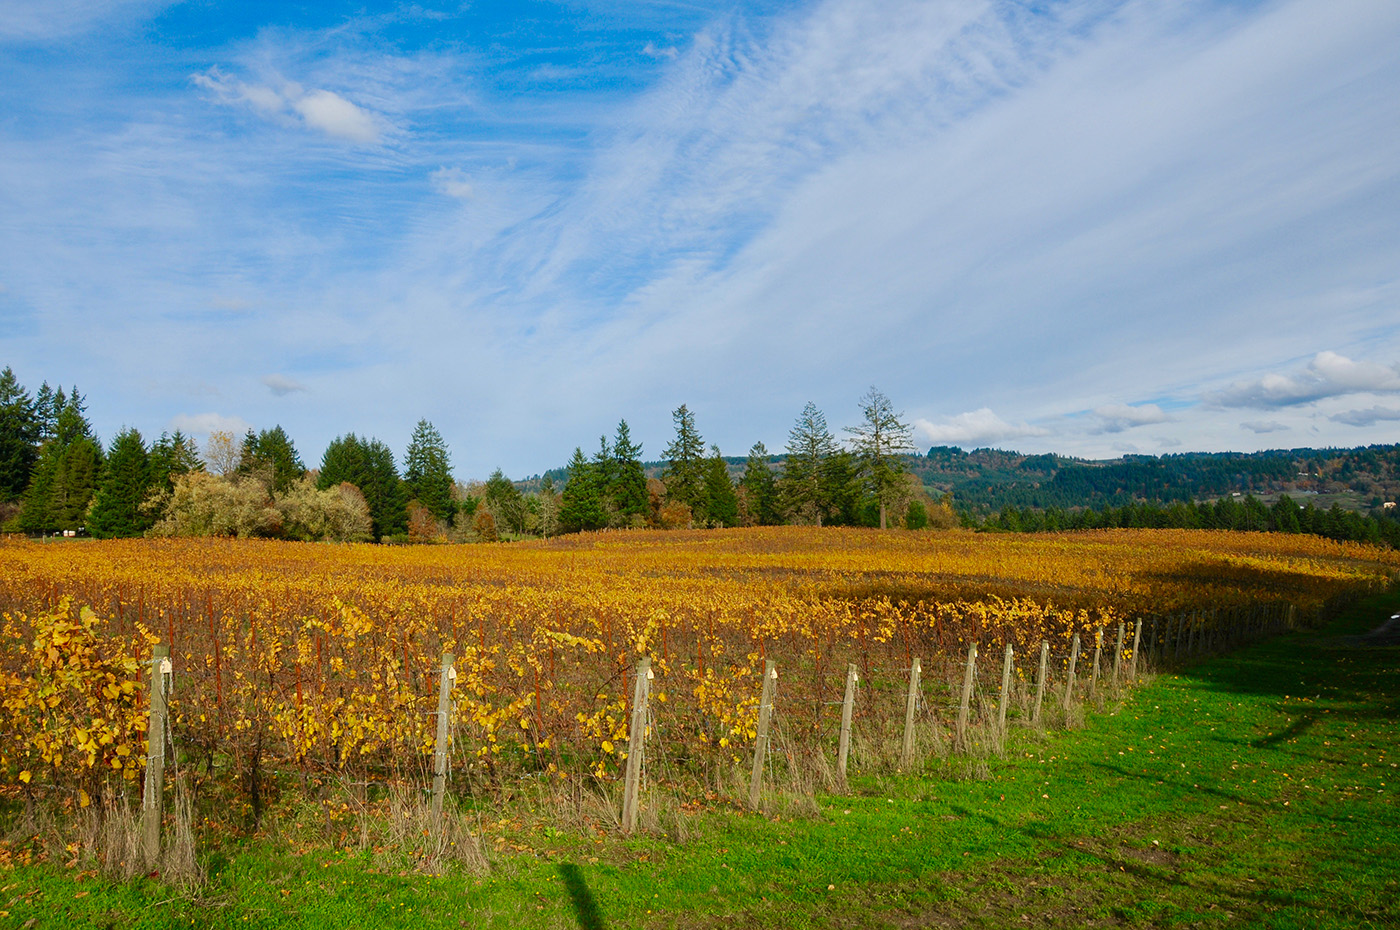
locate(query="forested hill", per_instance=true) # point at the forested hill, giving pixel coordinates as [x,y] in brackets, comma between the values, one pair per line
[984,481]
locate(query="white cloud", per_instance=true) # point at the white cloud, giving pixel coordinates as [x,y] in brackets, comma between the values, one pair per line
[975,427]
[281,385]
[32,20]
[336,116]
[1368,417]
[453,182]
[1264,426]
[651,50]
[1327,375]
[1114,418]
[319,109]
[1016,207]
[202,424]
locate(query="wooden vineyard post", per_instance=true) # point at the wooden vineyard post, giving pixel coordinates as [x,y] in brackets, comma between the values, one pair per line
[911,706]
[1191,636]
[636,746]
[446,680]
[760,747]
[1005,691]
[1098,649]
[153,796]
[1118,654]
[843,751]
[966,702]
[1137,640]
[1040,680]
[1073,661]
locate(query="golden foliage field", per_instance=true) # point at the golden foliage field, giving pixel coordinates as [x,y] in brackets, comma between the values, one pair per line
[324,658]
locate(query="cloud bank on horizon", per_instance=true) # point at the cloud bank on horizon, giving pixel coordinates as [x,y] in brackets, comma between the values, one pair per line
[1089,226]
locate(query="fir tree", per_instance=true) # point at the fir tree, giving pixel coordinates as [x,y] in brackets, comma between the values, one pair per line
[604,473]
[506,503]
[428,471]
[127,479]
[628,491]
[47,403]
[271,456]
[760,488]
[685,463]
[880,442]
[806,482]
[64,478]
[368,464]
[581,503]
[19,437]
[171,455]
[721,503]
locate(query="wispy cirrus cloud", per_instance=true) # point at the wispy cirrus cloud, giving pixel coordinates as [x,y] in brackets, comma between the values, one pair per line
[290,103]
[1327,375]
[981,206]
[56,19]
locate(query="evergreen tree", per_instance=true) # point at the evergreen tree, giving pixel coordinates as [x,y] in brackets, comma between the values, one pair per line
[805,484]
[506,503]
[35,517]
[71,422]
[271,456]
[428,471]
[581,504]
[343,460]
[760,488]
[368,464]
[64,478]
[1285,515]
[549,508]
[47,403]
[880,441]
[127,479]
[721,503]
[685,462]
[172,455]
[604,473]
[384,490]
[19,437]
[628,491]
[838,478]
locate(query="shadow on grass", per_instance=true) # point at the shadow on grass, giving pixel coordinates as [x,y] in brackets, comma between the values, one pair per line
[585,905]
[1321,664]
[1164,875]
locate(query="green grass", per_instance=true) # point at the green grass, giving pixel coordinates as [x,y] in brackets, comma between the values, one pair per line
[1257,789]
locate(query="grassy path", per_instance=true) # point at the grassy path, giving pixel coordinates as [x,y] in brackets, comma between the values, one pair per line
[1258,789]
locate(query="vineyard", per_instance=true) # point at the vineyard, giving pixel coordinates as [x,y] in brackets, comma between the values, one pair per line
[323,661]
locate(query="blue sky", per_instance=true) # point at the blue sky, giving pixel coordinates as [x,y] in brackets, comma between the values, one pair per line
[1086,227]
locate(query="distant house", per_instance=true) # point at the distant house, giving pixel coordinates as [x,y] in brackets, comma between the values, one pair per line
[1388,505]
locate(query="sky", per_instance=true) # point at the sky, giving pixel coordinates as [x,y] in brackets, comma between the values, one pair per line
[1091,227]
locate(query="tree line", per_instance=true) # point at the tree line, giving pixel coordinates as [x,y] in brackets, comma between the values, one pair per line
[1248,513]
[984,481]
[56,476]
